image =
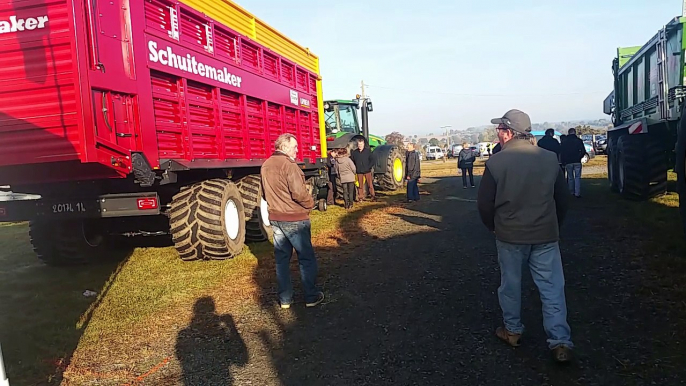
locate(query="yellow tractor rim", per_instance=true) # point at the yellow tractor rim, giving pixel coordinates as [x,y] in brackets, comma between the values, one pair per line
[398,169]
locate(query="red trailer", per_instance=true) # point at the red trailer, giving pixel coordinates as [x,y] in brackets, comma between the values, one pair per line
[128,116]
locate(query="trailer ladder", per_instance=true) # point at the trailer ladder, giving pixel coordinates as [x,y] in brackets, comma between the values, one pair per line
[662,91]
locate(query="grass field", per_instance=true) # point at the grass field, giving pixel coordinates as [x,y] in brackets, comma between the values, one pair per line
[49,330]
[52,333]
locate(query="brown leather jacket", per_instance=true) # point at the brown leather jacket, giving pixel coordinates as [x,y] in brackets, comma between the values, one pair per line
[284,189]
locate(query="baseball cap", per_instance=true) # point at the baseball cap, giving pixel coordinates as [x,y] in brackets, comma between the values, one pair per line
[516,120]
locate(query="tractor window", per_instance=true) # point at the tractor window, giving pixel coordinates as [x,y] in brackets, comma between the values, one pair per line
[330,122]
[348,119]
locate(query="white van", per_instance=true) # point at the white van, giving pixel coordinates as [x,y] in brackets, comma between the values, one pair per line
[434,152]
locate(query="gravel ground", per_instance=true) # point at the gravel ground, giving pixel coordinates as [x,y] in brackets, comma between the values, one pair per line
[412,301]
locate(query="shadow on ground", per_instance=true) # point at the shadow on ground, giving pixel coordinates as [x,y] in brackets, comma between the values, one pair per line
[414,301]
[209,347]
[44,310]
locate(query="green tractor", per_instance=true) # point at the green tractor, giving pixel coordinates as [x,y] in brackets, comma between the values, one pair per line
[343,130]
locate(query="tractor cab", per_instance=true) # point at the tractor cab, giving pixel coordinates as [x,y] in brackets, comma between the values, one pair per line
[343,129]
[341,117]
[343,125]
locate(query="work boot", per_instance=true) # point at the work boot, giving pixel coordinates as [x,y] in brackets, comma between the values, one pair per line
[562,354]
[508,337]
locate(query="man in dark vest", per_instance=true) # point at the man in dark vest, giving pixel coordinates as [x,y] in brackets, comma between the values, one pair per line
[523,200]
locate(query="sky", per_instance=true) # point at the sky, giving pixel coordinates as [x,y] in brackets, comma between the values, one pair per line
[433,63]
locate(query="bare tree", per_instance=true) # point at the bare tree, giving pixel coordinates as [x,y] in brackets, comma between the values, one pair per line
[396,139]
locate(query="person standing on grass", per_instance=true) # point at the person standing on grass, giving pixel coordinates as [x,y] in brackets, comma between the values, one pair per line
[523,200]
[345,169]
[465,162]
[412,173]
[283,184]
[364,163]
[572,151]
[332,190]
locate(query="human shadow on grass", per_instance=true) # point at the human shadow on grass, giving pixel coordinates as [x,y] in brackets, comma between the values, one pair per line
[421,307]
[45,309]
[209,347]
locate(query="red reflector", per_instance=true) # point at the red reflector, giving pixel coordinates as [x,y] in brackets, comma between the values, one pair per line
[3,212]
[147,203]
[330,139]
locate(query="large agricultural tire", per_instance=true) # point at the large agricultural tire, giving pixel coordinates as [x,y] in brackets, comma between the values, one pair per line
[208,221]
[680,166]
[67,242]
[394,177]
[642,167]
[612,170]
[257,226]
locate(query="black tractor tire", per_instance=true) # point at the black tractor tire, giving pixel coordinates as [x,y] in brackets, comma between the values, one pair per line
[257,226]
[680,166]
[642,167]
[322,206]
[681,189]
[208,221]
[68,242]
[390,181]
[612,170]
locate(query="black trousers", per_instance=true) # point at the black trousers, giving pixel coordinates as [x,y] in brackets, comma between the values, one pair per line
[471,176]
[349,194]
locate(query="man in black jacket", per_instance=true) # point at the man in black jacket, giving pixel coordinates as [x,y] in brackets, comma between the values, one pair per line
[572,151]
[412,173]
[364,163]
[549,142]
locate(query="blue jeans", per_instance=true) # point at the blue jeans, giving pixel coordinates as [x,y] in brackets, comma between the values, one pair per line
[413,189]
[574,178]
[289,235]
[545,264]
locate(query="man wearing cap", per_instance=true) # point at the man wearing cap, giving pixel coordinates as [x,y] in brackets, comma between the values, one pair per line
[523,200]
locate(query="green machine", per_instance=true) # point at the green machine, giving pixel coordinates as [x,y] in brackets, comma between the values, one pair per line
[343,130]
[648,111]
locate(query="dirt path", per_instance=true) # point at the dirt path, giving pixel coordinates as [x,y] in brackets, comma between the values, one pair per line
[412,301]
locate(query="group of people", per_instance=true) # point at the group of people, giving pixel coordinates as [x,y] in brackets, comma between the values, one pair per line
[352,169]
[570,150]
[465,162]
[522,200]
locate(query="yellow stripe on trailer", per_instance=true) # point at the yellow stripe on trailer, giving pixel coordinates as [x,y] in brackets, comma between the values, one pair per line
[322,121]
[237,18]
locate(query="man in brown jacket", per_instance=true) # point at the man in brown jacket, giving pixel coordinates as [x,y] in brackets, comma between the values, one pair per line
[290,203]
[523,200]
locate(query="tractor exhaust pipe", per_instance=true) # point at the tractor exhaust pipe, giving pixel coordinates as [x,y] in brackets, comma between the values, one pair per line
[365,120]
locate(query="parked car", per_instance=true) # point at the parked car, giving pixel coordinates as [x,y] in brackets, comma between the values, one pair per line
[434,153]
[601,146]
[454,151]
[590,153]
[475,149]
